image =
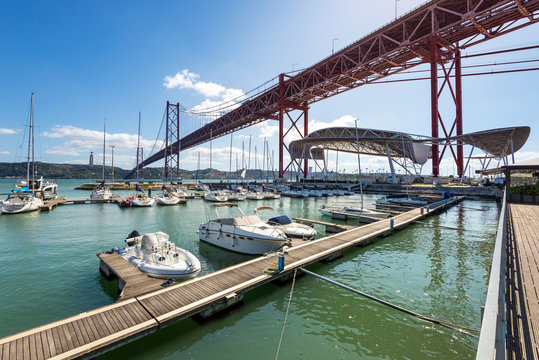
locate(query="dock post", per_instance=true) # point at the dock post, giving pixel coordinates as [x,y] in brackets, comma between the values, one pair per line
[421,211]
[427,209]
[280,262]
[391,223]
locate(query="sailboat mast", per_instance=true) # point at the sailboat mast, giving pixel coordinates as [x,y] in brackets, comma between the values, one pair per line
[337,167]
[211,136]
[29,140]
[249,160]
[198,166]
[230,161]
[104,132]
[359,166]
[138,144]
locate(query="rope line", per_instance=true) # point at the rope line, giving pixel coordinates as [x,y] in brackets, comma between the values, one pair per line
[286,315]
[454,327]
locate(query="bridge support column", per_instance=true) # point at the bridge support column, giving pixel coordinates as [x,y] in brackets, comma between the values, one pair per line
[172,154]
[448,57]
[285,109]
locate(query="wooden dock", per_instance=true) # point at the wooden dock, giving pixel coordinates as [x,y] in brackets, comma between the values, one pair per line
[522,304]
[50,204]
[94,332]
[131,281]
[330,227]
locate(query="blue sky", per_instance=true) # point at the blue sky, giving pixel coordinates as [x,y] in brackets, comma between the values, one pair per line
[88,61]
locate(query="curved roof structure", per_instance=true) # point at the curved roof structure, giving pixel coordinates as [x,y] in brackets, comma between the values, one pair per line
[371,142]
[496,142]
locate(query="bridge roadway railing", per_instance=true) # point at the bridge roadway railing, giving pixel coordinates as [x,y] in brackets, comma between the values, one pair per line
[492,336]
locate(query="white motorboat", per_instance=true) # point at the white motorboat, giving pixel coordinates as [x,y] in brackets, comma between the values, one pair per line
[215,196]
[286,225]
[331,209]
[166,199]
[235,196]
[101,192]
[247,234]
[202,187]
[158,257]
[275,195]
[50,190]
[44,191]
[175,191]
[141,200]
[20,202]
[254,195]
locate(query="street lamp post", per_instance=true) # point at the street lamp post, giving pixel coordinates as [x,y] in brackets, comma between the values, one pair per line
[112,147]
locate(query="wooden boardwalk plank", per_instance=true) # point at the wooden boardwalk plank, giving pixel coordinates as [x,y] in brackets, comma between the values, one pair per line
[523,307]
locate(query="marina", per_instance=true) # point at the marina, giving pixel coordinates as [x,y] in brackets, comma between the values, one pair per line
[107,327]
[257,211]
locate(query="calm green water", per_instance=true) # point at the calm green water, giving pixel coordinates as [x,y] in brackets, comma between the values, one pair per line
[48,271]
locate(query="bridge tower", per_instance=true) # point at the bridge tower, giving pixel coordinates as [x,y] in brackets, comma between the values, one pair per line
[172,156]
[447,56]
[285,109]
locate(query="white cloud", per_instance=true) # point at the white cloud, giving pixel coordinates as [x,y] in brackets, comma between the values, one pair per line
[343,121]
[4,153]
[5,131]
[524,156]
[267,129]
[86,140]
[62,152]
[215,94]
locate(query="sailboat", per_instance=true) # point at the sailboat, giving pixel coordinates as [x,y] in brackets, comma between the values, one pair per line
[102,192]
[24,199]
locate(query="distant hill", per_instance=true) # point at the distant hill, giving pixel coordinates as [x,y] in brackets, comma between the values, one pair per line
[74,171]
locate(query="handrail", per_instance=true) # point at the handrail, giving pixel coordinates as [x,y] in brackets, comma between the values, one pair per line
[492,337]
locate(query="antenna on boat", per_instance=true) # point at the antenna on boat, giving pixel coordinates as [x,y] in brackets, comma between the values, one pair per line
[359,165]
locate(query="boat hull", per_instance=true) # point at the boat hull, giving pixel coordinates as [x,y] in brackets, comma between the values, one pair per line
[8,208]
[167,201]
[239,240]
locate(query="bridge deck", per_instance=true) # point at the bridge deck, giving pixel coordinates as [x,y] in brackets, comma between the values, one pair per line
[103,329]
[523,282]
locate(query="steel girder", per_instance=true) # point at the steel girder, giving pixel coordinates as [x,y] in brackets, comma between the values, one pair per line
[402,44]
[172,136]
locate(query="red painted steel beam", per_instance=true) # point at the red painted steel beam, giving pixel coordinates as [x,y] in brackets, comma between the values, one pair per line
[434,104]
[404,41]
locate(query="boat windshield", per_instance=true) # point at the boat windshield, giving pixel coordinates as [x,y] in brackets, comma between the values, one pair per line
[280,220]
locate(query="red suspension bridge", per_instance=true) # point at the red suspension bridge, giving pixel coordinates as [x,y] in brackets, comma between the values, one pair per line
[434,34]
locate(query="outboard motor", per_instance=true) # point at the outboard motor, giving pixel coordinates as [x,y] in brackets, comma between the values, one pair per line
[133,234]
